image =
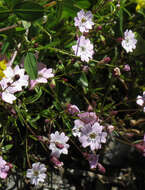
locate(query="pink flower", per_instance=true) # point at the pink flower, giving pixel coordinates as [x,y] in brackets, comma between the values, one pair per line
[4,168]
[126,68]
[56,162]
[88,117]
[43,75]
[93,136]
[93,160]
[72,109]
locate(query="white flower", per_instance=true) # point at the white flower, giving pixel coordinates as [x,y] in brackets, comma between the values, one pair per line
[84,21]
[129,42]
[93,136]
[84,49]
[140,100]
[37,173]
[77,127]
[58,144]
[13,81]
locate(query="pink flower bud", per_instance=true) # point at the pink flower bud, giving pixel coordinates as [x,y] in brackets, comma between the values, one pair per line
[56,162]
[110,128]
[72,109]
[59,145]
[107,59]
[126,68]
[119,40]
[117,72]
[101,168]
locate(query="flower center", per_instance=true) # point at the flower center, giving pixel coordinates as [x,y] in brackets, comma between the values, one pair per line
[59,145]
[36,173]
[16,77]
[82,48]
[83,20]
[92,135]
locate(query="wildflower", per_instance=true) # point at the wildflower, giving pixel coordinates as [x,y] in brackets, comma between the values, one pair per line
[84,49]
[43,75]
[117,71]
[84,21]
[140,4]
[56,162]
[2,68]
[93,136]
[77,127]
[93,160]
[13,81]
[110,128]
[4,168]
[37,173]
[72,109]
[88,117]
[129,41]
[141,100]
[58,144]
[126,68]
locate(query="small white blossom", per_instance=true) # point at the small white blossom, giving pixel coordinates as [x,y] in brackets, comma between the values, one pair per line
[37,173]
[84,49]
[140,100]
[84,21]
[58,144]
[129,42]
[13,81]
[77,127]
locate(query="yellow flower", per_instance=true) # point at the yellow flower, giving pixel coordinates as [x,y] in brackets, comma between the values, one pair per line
[140,4]
[2,68]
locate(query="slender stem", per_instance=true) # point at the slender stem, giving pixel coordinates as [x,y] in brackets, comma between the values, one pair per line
[8,28]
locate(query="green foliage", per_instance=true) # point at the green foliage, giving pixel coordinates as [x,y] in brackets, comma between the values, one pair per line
[30,65]
[28,11]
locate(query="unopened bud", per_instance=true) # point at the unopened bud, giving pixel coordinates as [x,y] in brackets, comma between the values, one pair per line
[101,169]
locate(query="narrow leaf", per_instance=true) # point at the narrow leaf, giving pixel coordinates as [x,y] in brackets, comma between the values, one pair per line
[30,66]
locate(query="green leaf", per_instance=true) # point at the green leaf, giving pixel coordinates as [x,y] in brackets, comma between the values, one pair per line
[34,98]
[7,147]
[83,4]
[11,3]
[30,66]
[84,80]
[28,11]
[4,13]
[140,47]
[5,47]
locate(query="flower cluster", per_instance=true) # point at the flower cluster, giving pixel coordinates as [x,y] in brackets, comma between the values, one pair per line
[89,131]
[129,42]
[84,48]
[14,79]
